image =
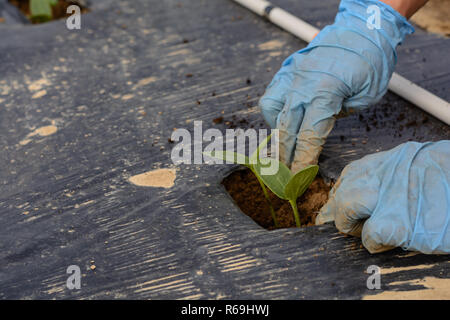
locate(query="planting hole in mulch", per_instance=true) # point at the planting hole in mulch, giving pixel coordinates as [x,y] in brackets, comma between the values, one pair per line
[59,10]
[246,191]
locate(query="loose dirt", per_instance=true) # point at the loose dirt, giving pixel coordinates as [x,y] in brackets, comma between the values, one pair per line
[246,191]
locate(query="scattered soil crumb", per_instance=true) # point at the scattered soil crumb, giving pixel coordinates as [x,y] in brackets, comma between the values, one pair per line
[246,191]
[218,120]
[161,178]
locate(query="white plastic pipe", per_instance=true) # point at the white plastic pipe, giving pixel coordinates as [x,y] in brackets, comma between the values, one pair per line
[420,97]
[401,86]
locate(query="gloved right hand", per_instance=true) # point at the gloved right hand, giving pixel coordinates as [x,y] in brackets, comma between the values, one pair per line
[395,198]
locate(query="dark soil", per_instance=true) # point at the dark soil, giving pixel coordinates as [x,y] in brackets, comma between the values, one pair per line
[246,191]
[58,11]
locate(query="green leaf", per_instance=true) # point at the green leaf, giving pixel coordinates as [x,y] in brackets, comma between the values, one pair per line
[255,155]
[229,156]
[41,8]
[276,182]
[298,184]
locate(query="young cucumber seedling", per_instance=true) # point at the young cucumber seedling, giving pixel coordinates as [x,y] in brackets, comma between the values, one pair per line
[251,163]
[286,185]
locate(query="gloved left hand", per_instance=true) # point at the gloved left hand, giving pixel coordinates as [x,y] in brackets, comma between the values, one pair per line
[395,198]
[347,64]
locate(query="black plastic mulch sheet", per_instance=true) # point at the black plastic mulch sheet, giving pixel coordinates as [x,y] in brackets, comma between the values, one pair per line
[109,96]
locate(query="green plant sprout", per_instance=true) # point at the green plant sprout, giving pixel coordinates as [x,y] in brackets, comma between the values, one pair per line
[249,162]
[41,10]
[286,185]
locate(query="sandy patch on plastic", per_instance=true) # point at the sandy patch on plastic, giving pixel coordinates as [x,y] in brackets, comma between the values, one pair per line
[127,97]
[38,85]
[435,289]
[144,82]
[385,271]
[39,94]
[42,131]
[161,178]
[271,45]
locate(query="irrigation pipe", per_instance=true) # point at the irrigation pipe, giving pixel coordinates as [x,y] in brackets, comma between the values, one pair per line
[401,86]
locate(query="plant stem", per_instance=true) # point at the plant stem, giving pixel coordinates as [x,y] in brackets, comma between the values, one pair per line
[266,195]
[294,207]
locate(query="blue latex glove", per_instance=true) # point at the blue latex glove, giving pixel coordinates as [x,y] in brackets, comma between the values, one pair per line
[346,65]
[395,198]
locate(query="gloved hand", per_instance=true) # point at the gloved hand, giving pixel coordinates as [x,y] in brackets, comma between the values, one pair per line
[395,198]
[347,64]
